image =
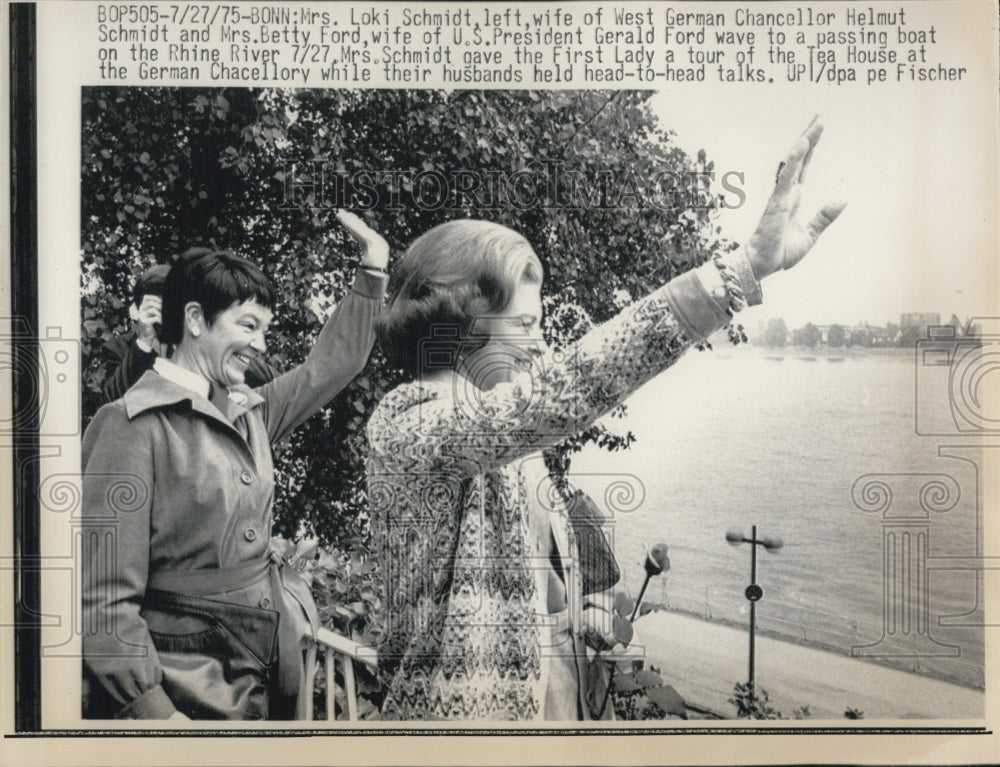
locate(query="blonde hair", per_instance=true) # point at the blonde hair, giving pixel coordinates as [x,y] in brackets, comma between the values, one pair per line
[451,275]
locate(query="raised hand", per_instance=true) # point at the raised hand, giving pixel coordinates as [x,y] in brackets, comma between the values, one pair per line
[149,319]
[374,248]
[781,240]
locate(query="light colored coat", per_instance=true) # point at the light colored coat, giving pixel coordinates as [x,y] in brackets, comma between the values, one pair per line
[177,498]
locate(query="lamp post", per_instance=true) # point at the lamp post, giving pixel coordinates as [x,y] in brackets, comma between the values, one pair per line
[753,592]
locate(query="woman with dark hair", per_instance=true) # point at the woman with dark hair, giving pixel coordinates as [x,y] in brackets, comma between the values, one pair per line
[185,613]
[138,351]
[483,614]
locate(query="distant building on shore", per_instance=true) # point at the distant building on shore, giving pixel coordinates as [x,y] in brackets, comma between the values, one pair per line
[912,327]
[919,320]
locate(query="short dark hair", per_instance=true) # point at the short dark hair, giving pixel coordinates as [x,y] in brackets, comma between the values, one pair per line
[214,279]
[150,282]
[450,276]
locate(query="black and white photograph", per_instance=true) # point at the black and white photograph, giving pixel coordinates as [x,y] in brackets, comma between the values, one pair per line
[533,376]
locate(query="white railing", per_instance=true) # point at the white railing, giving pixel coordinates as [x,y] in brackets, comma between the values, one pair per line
[336,648]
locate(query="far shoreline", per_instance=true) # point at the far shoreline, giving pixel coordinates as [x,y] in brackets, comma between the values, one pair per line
[828,353]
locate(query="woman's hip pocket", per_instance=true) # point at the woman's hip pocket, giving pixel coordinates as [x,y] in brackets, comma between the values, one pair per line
[216,657]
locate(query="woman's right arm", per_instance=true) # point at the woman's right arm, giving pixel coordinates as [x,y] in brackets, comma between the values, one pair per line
[118,651]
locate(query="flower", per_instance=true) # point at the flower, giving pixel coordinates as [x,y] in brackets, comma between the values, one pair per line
[657,560]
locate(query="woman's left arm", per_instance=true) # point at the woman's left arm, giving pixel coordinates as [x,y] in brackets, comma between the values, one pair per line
[342,348]
[464,429]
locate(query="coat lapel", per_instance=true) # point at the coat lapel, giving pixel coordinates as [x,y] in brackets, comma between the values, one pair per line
[154,391]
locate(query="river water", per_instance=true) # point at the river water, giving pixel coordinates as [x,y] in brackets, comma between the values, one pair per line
[786,439]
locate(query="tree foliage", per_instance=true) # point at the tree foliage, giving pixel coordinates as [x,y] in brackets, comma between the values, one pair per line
[836,336]
[909,336]
[776,333]
[863,337]
[165,169]
[756,704]
[808,335]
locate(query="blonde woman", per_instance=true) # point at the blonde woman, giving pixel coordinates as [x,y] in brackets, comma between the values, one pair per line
[483,618]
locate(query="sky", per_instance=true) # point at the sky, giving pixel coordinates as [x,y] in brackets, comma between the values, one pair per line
[917,165]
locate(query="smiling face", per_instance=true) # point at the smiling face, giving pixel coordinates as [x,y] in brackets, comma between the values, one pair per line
[515,338]
[221,352]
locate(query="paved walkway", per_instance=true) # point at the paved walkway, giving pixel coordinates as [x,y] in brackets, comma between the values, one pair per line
[703,661]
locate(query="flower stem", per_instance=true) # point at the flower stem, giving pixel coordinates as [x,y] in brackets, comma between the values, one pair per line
[638,601]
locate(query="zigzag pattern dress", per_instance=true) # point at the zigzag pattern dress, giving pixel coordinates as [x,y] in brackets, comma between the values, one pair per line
[464,627]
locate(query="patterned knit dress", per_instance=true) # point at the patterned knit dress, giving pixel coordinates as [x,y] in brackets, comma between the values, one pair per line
[464,630]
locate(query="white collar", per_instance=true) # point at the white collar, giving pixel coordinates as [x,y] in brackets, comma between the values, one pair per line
[182,376]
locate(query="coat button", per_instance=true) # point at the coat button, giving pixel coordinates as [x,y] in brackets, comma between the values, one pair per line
[247,477]
[265,602]
[250,534]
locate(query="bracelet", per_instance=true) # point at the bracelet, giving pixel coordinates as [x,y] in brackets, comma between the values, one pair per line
[734,290]
[739,260]
[379,269]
